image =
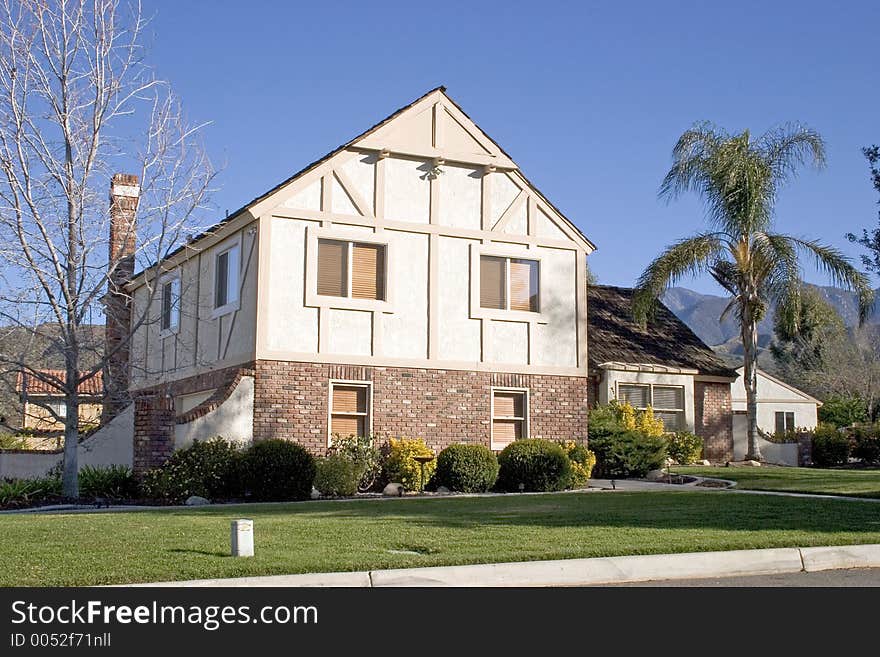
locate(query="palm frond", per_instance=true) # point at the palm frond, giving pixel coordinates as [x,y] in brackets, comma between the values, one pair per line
[783,281]
[838,267]
[791,146]
[688,257]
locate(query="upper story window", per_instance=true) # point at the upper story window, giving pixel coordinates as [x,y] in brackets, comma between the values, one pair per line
[226,278]
[509,283]
[354,270]
[170,304]
[667,402]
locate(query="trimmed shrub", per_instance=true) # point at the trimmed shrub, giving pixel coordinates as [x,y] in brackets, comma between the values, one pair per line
[830,447]
[466,468]
[582,462]
[278,470]
[866,443]
[618,417]
[684,447]
[337,475]
[115,482]
[402,468]
[210,469]
[628,454]
[539,465]
[363,452]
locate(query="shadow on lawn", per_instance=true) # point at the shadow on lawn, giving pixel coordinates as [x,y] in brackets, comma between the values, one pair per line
[205,553]
[673,510]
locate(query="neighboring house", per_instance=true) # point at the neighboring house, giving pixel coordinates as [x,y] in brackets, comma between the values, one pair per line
[412,282]
[38,397]
[663,365]
[781,408]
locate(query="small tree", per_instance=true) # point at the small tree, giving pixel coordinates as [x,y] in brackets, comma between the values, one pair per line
[77,103]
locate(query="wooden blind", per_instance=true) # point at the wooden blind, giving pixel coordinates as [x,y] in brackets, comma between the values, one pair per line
[637,396]
[332,271]
[348,425]
[368,271]
[509,404]
[349,399]
[492,283]
[524,285]
[506,431]
[672,420]
[668,397]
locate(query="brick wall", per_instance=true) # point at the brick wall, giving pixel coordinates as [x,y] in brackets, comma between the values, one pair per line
[441,406]
[153,431]
[713,419]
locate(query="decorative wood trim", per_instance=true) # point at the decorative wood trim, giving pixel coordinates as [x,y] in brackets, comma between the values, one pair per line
[581,334]
[327,193]
[474,159]
[359,203]
[532,217]
[433,296]
[486,199]
[379,189]
[511,210]
[264,281]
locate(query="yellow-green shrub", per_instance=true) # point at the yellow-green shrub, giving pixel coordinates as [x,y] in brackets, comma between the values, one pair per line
[582,462]
[684,447]
[401,466]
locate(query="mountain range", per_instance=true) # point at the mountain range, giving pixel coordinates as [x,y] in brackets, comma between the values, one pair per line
[702,312]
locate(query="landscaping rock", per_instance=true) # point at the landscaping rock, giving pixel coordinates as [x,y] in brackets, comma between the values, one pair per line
[655,475]
[393,490]
[754,464]
[315,493]
[442,490]
[670,461]
[705,462]
[196,500]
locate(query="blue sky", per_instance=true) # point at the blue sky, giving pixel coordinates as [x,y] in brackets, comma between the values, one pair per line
[588,98]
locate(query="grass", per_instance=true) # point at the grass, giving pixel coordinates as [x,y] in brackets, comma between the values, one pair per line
[178,544]
[856,483]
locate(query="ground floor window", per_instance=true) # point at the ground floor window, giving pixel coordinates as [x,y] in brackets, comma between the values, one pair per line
[510,410]
[349,409]
[666,401]
[784,421]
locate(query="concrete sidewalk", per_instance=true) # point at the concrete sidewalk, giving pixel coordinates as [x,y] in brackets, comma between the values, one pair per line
[579,572]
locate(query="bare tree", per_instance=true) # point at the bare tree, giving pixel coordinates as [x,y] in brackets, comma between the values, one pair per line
[78,103]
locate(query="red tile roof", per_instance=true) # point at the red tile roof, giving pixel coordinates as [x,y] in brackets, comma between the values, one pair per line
[35,386]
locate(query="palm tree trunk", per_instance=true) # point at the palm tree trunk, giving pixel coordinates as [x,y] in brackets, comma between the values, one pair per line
[750,379]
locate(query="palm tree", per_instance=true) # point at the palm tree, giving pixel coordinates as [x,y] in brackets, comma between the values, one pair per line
[738,178]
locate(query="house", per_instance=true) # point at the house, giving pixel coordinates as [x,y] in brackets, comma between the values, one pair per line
[43,406]
[781,408]
[663,365]
[411,282]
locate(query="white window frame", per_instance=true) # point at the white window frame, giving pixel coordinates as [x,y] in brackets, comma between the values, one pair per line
[784,423]
[163,281]
[233,304]
[650,387]
[59,408]
[315,300]
[526,413]
[351,383]
[496,251]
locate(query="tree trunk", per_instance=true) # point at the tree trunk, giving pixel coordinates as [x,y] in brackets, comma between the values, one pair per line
[750,379]
[70,473]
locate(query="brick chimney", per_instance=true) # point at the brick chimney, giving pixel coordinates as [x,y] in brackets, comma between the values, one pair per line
[124,194]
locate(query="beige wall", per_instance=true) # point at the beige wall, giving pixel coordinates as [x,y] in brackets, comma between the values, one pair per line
[611,378]
[203,340]
[773,397]
[38,418]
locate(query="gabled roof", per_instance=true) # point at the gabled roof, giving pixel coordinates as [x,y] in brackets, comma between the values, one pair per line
[614,337]
[780,382]
[37,387]
[504,160]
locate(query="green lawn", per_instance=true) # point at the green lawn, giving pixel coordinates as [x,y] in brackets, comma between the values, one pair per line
[857,483]
[104,548]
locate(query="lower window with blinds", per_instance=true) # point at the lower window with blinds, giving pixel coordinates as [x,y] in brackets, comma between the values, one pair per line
[510,410]
[349,410]
[666,401]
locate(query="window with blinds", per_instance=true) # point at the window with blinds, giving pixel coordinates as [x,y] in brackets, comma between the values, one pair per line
[509,417]
[171,305]
[509,283]
[349,410]
[667,402]
[351,269]
[226,277]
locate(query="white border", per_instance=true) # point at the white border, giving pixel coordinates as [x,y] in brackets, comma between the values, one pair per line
[526,414]
[348,382]
[232,306]
[163,281]
[477,311]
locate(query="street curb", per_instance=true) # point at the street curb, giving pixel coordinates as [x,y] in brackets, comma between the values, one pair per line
[579,572]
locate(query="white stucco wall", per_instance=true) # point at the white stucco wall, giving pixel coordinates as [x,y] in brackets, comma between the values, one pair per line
[779,453]
[775,397]
[611,378]
[233,419]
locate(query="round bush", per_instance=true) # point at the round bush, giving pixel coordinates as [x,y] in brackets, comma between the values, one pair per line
[539,465]
[337,475]
[582,462]
[466,468]
[830,447]
[209,469]
[279,470]
[628,454]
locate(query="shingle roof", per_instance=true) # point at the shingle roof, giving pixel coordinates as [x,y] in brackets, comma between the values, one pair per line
[613,336]
[35,386]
